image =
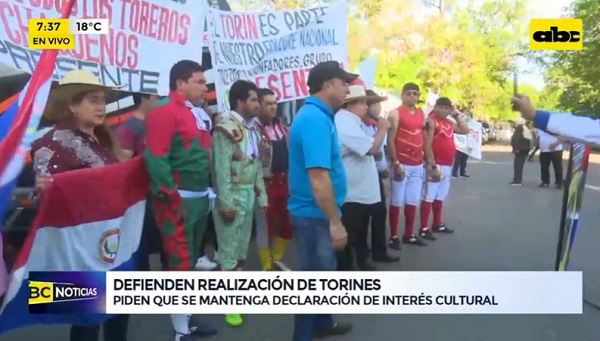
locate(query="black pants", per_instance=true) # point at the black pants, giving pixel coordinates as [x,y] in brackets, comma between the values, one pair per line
[554,158]
[518,164]
[460,164]
[115,329]
[353,218]
[376,218]
[210,236]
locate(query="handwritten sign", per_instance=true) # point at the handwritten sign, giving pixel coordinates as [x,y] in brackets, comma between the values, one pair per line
[275,49]
[146,38]
[470,143]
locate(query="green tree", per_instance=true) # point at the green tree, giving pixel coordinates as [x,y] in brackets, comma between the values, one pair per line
[574,76]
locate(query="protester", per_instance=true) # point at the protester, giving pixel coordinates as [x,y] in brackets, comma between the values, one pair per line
[551,152]
[132,136]
[377,216]
[520,142]
[273,230]
[238,178]
[178,162]
[79,139]
[460,165]
[318,187]
[440,132]
[406,150]
[359,151]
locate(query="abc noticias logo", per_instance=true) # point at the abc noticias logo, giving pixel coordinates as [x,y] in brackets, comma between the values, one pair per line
[556,34]
[51,292]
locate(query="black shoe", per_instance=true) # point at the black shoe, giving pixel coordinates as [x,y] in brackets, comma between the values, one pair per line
[413,240]
[394,243]
[515,183]
[385,258]
[464,176]
[203,330]
[559,186]
[426,234]
[366,266]
[442,229]
[543,185]
[337,329]
[455,176]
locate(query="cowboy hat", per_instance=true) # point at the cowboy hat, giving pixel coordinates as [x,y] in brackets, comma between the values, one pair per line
[358,92]
[79,81]
[375,97]
[74,82]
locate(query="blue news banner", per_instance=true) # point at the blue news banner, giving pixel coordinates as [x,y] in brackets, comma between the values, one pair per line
[67,293]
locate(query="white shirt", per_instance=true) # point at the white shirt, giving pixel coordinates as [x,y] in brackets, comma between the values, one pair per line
[546,140]
[361,173]
[382,165]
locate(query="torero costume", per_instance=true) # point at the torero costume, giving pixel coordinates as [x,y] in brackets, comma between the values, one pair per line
[239,182]
[408,191]
[177,157]
[271,242]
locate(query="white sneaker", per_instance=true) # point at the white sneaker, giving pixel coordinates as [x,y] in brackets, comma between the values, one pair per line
[205,264]
[281,265]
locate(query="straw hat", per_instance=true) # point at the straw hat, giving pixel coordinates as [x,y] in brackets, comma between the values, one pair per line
[358,92]
[376,98]
[74,82]
[78,81]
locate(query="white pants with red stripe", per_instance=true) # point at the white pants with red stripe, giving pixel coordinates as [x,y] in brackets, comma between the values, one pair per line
[409,191]
[439,190]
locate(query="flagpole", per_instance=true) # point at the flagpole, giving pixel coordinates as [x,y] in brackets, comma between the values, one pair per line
[39,75]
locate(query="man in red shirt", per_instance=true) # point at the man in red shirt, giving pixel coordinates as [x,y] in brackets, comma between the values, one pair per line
[440,130]
[406,150]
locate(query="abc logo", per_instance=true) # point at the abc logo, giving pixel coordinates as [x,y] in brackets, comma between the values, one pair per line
[40,292]
[556,34]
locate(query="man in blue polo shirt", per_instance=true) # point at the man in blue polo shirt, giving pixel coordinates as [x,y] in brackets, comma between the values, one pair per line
[318,187]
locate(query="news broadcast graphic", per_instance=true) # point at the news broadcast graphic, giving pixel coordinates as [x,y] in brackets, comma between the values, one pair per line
[50,34]
[89,26]
[275,49]
[245,292]
[68,292]
[126,55]
[572,200]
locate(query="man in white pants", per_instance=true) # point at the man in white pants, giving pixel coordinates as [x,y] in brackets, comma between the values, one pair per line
[406,151]
[440,130]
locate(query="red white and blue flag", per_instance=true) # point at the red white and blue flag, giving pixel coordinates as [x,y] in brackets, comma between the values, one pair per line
[88,220]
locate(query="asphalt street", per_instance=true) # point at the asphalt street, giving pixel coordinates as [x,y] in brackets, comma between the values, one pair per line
[498,228]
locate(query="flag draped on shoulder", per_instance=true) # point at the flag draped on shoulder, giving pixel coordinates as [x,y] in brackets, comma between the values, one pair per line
[18,126]
[88,220]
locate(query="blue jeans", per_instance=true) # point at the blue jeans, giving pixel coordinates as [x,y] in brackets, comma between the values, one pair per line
[314,252]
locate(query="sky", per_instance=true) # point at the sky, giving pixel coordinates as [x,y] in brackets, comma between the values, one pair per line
[541,9]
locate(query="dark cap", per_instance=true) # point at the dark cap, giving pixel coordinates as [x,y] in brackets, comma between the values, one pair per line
[444,101]
[327,71]
[410,86]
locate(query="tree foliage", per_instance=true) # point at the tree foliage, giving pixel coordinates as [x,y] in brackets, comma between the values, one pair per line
[573,78]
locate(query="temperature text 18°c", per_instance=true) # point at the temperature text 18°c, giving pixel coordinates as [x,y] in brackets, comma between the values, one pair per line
[89,26]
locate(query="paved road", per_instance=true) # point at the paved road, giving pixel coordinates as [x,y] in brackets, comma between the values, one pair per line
[498,228]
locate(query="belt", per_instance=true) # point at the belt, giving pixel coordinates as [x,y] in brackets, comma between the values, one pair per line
[209,192]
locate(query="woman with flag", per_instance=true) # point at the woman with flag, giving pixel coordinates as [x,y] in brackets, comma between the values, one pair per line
[80,139]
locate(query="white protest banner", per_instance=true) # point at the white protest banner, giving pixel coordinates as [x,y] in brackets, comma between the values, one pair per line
[470,143]
[275,49]
[146,38]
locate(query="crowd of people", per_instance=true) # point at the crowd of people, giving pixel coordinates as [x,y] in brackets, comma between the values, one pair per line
[526,142]
[320,182]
